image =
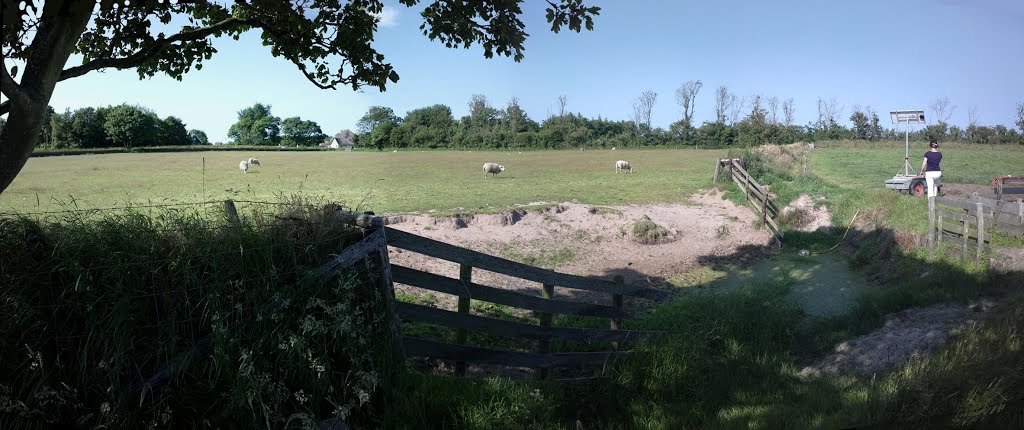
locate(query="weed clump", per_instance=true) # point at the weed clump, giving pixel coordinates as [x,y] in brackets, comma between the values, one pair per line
[648,232]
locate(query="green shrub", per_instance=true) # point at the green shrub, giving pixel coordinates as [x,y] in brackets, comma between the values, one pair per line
[95,304]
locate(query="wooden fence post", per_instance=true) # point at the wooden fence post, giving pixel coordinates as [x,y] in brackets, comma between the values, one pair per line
[617,303]
[466,276]
[981,229]
[764,208]
[1020,211]
[938,228]
[967,232]
[718,169]
[931,227]
[544,345]
[229,207]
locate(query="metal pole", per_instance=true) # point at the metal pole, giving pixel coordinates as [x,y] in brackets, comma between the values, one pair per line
[906,156]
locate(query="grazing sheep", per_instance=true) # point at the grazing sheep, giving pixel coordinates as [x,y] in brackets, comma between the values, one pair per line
[493,168]
[623,165]
[394,152]
[244,166]
[254,162]
[613,148]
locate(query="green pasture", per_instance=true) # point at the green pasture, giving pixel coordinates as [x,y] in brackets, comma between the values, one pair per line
[389,182]
[452,181]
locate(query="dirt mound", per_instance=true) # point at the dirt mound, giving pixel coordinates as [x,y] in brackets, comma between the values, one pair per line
[589,240]
[907,335]
[807,214]
[964,191]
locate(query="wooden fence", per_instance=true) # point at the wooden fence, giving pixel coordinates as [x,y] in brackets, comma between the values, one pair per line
[756,194]
[969,223]
[546,305]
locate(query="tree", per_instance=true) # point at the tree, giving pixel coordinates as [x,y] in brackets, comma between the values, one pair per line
[481,115]
[375,116]
[256,126]
[788,111]
[876,126]
[1020,117]
[773,110]
[972,115]
[686,96]
[86,129]
[643,106]
[722,100]
[173,133]
[329,41]
[562,101]
[46,137]
[861,124]
[736,105]
[295,131]
[130,126]
[198,137]
[943,109]
[514,117]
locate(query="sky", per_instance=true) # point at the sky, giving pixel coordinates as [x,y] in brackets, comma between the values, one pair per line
[880,53]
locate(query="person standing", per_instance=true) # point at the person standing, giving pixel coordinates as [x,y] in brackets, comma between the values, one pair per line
[930,166]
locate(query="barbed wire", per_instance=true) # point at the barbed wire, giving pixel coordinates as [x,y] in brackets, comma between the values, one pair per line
[159,205]
[108,209]
[200,256]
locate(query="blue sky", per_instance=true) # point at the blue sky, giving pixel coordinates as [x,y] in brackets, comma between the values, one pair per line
[886,54]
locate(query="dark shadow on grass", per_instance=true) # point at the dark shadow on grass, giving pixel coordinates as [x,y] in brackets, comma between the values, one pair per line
[756,391]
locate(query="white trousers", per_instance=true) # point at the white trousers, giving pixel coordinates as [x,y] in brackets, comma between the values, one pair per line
[930,178]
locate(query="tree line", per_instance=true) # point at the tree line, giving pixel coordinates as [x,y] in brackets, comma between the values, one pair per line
[739,121]
[124,125]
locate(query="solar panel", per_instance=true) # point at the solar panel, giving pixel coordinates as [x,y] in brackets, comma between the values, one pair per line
[907,116]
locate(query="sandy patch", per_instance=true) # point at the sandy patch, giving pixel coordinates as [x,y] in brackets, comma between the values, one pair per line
[588,240]
[808,214]
[907,335]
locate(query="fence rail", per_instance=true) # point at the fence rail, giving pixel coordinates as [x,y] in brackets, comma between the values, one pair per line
[444,251]
[375,246]
[970,223]
[755,193]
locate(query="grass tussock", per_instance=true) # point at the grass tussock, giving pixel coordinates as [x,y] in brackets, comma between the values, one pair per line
[648,232]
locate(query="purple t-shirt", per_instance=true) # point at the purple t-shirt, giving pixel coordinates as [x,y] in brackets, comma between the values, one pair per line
[933,161]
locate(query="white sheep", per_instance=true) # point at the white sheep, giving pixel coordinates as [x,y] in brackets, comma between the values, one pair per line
[254,162]
[613,148]
[493,168]
[244,166]
[623,165]
[394,152]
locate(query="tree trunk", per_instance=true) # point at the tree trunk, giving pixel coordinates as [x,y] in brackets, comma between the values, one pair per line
[62,25]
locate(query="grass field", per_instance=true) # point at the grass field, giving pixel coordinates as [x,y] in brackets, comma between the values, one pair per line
[732,364]
[411,181]
[450,181]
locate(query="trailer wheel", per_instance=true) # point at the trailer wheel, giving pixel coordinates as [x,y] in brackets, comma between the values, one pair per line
[918,188]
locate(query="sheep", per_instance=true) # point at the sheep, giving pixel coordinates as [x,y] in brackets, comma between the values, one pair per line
[254,162]
[613,148]
[623,165]
[244,166]
[394,152]
[493,168]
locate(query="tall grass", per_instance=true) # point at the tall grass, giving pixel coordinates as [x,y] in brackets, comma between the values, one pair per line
[94,305]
